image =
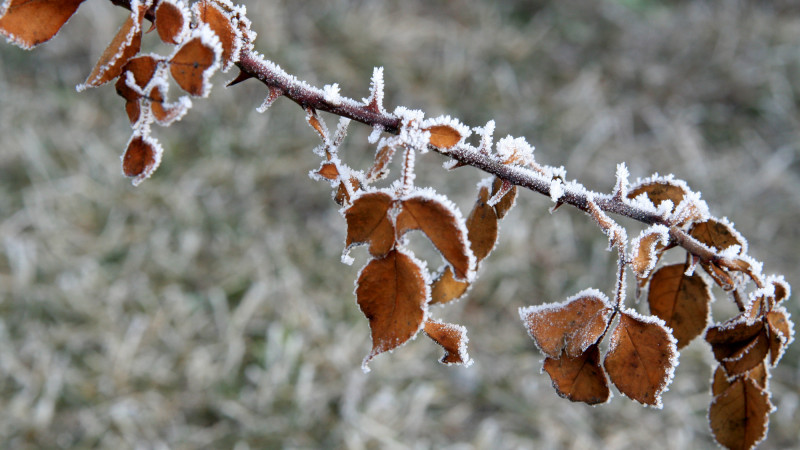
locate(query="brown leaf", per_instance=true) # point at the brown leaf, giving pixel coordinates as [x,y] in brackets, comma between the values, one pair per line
[658,191]
[641,358]
[439,219]
[781,333]
[452,338]
[316,124]
[328,171]
[141,158]
[392,293]
[571,326]
[444,136]
[342,195]
[222,25]
[721,381]
[580,379]
[681,301]
[507,201]
[740,414]
[142,68]
[648,248]
[172,21]
[123,47]
[781,289]
[368,222]
[28,23]
[383,157]
[194,62]
[719,235]
[446,289]
[738,344]
[482,226]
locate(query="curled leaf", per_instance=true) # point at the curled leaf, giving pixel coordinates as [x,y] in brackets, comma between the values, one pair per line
[641,358]
[738,344]
[393,295]
[28,23]
[452,338]
[681,301]
[571,326]
[580,378]
[660,189]
[224,25]
[647,249]
[141,158]
[781,333]
[172,21]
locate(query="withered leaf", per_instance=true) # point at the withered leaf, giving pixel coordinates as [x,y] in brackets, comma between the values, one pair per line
[508,198]
[658,191]
[392,294]
[440,220]
[368,222]
[172,21]
[571,326]
[781,333]
[141,158]
[648,248]
[446,289]
[328,171]
[383,157]
[28,23]
[641,358]
[452,338]
[722,381]
[123,47]
[221,23]
[716,234]
[194,62]
[681,301]
[740,414]
[444,136]
[482,226]
[738,345]
[580,379]
[142,68]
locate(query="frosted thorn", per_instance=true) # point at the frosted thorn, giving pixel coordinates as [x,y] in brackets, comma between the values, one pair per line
[243,76]
[274,93]
[504,188]
[621,188]
[452,164]
[375,101]
[556,206]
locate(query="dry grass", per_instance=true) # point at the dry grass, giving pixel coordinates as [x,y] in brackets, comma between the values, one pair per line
[208,308]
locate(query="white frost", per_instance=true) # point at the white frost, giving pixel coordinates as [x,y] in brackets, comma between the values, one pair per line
[332,95]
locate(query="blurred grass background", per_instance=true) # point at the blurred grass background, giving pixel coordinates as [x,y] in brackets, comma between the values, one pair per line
[208,307]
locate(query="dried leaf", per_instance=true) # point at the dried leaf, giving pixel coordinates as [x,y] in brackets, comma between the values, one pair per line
[392,293]
[172,21]
[28,23]
[641,358]
[452,338]
[720,382]
[328,171]
[441,221]
[646,250]
[738,344]
[123,47]
[659,190]
[508,198]
[222,24]
[444,137]
[571,326]
[141,158]
[383,157]
[446,289]
[368,222]
[681,301]
[740,414]
[142,69]
[193,63]
[580,379]
[719,235]
[482,226]
[781,333]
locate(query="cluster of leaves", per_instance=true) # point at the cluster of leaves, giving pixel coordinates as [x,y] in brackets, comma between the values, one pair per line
[395,289]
